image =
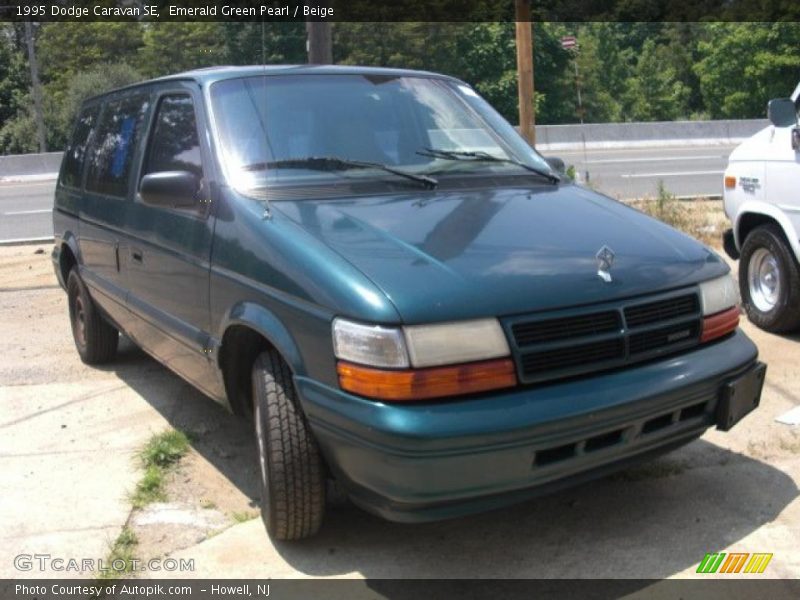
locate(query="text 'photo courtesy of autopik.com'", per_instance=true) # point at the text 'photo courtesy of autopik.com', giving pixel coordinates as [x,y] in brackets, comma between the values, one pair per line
[419,299]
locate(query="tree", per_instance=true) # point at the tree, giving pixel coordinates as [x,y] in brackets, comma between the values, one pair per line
[173,47]
[66,49]
[14,78]
[653,91]
[743,65]
[276,43]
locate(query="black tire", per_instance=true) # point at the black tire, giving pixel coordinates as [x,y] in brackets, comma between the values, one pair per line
[292,472]
[784,314]
[95,338]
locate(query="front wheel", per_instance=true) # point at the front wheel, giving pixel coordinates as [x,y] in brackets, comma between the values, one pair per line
[769,281]
[292,473]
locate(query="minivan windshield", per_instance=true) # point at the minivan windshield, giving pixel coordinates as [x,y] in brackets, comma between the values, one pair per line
[270,126]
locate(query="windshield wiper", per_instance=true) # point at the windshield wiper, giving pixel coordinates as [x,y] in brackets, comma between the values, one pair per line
[334,163]
[479,156]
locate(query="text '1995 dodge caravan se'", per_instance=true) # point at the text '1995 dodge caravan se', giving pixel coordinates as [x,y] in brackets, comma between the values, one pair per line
[405,298]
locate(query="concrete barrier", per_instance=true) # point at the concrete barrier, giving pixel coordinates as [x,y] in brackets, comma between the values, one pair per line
[632,135]
[30,166]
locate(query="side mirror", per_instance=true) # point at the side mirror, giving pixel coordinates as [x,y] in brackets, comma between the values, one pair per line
[556,164]
[782,112]
[170,189]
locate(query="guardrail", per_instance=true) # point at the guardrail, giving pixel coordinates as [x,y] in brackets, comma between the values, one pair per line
[632,135]
[24,166]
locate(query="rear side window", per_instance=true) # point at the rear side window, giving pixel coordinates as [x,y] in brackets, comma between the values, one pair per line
[174,144]
[114,145]
[75,153]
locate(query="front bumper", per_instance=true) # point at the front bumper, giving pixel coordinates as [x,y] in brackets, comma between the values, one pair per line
[425,461]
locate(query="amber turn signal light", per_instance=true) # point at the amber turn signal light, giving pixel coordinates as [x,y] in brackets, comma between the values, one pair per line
[423,384]
[730,182]
[720,324]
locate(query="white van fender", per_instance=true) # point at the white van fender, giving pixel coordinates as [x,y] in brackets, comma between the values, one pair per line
[751,207]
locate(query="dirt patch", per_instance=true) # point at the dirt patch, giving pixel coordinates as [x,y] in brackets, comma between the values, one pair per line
[26,267]
[702,219]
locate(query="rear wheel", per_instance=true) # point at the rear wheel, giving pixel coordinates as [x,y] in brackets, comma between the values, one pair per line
[292,473]
[95,338]
[769,280]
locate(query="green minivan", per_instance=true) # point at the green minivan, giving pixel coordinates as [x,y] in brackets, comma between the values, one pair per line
[403,296]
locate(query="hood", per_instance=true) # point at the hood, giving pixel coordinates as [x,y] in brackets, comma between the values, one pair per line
[443,256]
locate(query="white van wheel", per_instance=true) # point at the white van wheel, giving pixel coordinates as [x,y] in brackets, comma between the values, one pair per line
[769,280]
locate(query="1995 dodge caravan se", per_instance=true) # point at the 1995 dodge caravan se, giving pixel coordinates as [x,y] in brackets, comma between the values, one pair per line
[404,297]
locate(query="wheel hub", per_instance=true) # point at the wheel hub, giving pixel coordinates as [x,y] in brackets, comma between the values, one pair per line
[764,280]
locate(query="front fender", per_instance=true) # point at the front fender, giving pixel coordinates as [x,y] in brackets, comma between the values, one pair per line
[264,322]
[769,210]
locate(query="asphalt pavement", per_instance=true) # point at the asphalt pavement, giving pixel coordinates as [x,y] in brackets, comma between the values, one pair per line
[628,173]
[26,210]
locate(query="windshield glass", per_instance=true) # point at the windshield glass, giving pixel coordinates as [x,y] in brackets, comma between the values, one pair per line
[381,119]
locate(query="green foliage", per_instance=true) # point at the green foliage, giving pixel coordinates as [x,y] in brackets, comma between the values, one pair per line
[742,65]
[149,489]
[654,91]
[174,47]
[165,449]
[66,49]
[121,556]
[628,71]
[283,43]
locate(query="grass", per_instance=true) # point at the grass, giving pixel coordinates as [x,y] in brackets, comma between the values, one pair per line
[121,555]
[165,449]
[162,452]
[242,517]
[690,217]
[150,488]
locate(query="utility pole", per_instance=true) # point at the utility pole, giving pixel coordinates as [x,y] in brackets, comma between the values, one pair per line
[527,116]
[319,43]
[36,87]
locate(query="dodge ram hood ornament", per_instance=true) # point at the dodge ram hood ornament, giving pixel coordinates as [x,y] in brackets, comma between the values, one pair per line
[605,260]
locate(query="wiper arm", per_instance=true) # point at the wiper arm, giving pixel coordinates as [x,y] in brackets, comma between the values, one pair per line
[334,163]
[479,156]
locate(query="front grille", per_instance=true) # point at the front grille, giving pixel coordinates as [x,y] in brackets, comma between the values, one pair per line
[656,339]
[567,327]
[538,362]
[564,345]
[663,310]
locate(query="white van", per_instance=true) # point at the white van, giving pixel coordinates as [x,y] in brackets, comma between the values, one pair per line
[762,200]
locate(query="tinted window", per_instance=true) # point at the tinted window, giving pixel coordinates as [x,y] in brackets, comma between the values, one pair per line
[75,153]
[114,145]
[174,145]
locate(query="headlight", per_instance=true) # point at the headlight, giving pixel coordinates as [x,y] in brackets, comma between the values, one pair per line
[719,294]
[450,343]
[422,361]
[369,344]
[720,299]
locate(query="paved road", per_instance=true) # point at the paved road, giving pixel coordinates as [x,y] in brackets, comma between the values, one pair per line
[621,173]
[635,172]
[26,210]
